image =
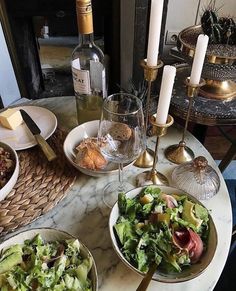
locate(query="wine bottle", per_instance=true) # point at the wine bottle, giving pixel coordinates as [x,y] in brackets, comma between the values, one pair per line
[88,67]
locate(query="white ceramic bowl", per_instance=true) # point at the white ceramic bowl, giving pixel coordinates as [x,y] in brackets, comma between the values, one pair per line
[12,181]
[51,234]
[74,137]
[187,274]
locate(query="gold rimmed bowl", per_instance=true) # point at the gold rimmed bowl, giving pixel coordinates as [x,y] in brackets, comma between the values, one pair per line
[188,272]
[51,235]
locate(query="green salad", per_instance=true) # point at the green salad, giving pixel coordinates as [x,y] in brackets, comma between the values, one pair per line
[168,230]
[39,265]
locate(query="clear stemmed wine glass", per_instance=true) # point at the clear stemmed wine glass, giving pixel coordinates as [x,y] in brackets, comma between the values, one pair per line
[122,133]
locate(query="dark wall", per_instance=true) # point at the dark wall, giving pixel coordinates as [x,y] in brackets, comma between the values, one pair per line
[25,15]
[60,14]
[61,17]
[142,11]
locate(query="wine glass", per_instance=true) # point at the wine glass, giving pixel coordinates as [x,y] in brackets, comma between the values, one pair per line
[122,133]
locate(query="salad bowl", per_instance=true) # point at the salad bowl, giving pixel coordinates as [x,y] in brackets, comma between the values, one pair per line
[118,232]
[75,137]
[29,238]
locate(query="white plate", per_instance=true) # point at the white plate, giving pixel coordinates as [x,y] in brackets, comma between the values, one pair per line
[21,138]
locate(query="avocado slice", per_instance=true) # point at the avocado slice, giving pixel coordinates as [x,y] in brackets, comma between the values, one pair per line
[188,214]
[10,261]
[11,250]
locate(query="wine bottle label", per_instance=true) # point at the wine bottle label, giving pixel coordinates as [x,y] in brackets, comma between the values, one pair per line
[96,74]
[91,81]
[81,80]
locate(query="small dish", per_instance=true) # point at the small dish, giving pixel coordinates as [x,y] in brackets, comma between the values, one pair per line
[15,173]
[77,135]
[186,274]
[21,138]
[50,235]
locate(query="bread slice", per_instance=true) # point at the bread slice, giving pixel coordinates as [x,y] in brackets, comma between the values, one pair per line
[120,131]
[89,155]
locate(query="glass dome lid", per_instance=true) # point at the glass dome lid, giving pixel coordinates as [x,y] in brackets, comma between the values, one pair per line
[197,178]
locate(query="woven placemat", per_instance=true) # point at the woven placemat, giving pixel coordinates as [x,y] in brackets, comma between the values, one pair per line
[40,185]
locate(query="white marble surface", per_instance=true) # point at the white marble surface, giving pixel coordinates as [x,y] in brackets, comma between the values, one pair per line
[84,214]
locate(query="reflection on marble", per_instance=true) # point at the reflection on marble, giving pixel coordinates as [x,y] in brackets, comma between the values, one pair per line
[83,213]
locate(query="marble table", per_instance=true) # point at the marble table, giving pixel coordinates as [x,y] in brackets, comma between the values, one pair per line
[83,213]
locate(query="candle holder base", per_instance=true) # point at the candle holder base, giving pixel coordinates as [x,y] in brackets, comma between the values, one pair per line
[179,153]
[145,160]
[151,178]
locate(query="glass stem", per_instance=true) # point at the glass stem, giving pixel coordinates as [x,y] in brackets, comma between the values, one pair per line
[121,186]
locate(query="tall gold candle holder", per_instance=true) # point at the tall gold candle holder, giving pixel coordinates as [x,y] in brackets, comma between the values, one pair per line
[153,176]
[145,160]
[180,153]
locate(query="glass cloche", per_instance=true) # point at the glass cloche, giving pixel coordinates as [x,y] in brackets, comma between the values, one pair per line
[197,178]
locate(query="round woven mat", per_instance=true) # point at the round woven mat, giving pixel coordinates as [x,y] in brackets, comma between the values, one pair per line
[40,185]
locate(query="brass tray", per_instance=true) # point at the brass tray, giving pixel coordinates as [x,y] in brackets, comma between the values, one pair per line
[219,70]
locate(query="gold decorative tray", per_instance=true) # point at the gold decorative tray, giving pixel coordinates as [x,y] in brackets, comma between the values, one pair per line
[219,70]
[216,53]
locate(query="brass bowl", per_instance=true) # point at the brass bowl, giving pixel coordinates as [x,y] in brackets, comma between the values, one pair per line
[219,70]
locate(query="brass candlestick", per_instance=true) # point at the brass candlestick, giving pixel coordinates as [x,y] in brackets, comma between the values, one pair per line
[154,177]
[145,160]
[180,153]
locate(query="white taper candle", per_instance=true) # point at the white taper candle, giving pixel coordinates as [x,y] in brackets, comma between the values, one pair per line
[198,60]
[167,84]
[154,32]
